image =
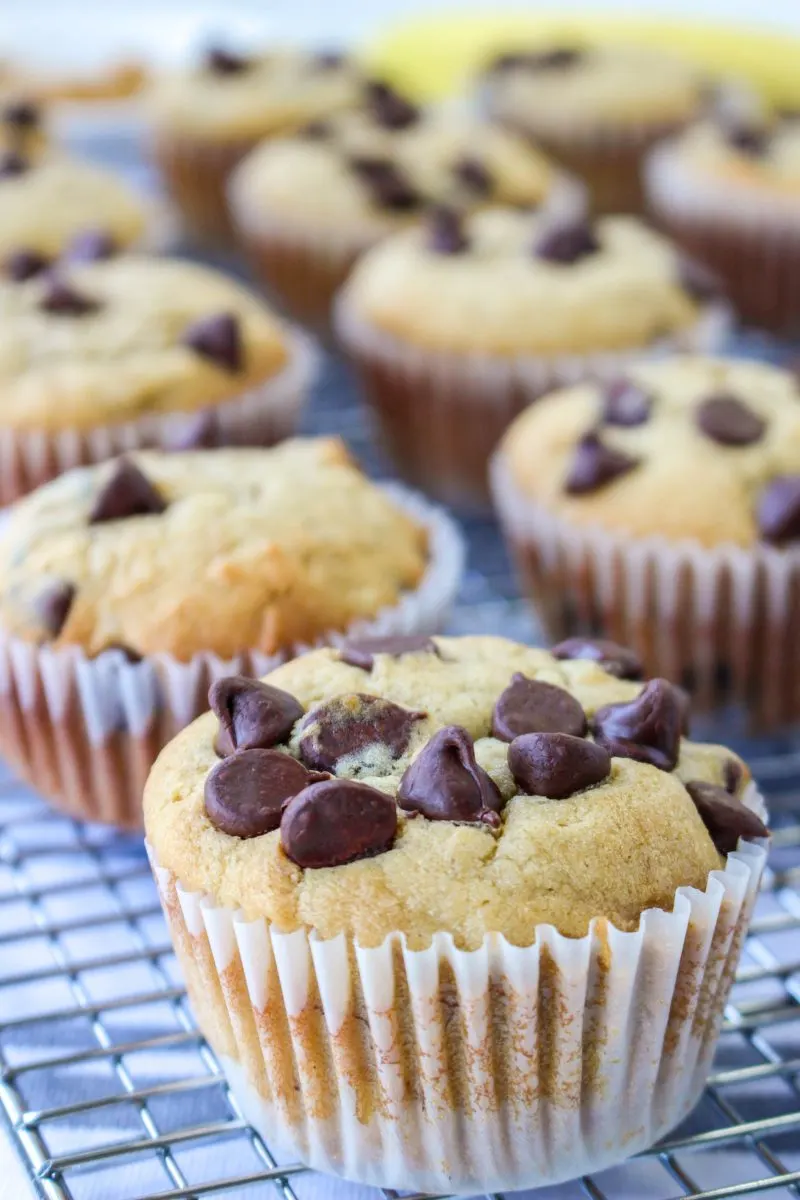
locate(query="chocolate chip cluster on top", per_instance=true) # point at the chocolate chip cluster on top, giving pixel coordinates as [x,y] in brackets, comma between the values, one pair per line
[463,784]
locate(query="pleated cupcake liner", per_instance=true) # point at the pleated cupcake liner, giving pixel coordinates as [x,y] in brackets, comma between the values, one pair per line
[195,173]
[444,1070]
[84,731]
[723,621]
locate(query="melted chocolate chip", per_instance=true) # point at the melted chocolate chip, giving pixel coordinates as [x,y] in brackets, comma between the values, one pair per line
[336,822]
[530,706]
[566,243]
[22,115]
[24,264]
[246,792]
[316,131]
[52,606]
[126,493]
[93,245]
[445,783]
[12,165]
[446,231]
[225,62]
[200,431]
[61,299]
[360,652]
[387,185]
[475,175]
[556,765]
[252,715]
[647,729]
[699,281]
[388,108]
[725,817]
[625,404]
[217,338]
[779,510]
[350,724]
[732,775]
[594,465]
[617,660]
[727,420]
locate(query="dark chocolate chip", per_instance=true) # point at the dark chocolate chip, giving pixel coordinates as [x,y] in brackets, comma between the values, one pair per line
[316,131]
[445,783]
[12,165]
[727,420]
[530,706]
[648,728]
[617,660]
[217,338]
[475,175]
[566,243]
[387,185]
[126,493]
[779,509]
[200,431]
[594,465]
[732,775]
[626,404]
[360,652]
[749,137]
[22,114]
[336,822]
[350,724]
[556,765]
[92,245]
[725,817]
[559,58]
[24,264]
[388,108]
[252,715]
[446,231]
[130,655]
[225,62]
[329,60]
[246,792]
[61,299]
[52,606]
[699,281]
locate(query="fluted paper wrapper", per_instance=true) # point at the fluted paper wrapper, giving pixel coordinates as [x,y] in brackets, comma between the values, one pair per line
[195,173]
[441,414]
[259,416]
[444,1070]
[84,732]
[722,621]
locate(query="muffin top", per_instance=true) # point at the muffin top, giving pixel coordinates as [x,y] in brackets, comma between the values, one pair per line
[691,448]
[373,169]
[110,340]
[466,785]
[507,282]
[223,551]
[572,90]
[758,154]
[232,95]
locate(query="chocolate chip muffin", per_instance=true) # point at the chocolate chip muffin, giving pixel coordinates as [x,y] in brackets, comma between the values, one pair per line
[126,588]
[458,325]
[306,207]
[664,510]
[206,117]
[596,109]
[98,357]
[422,868]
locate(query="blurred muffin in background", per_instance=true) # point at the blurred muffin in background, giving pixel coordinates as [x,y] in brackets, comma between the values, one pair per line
[597,110]
[205,118]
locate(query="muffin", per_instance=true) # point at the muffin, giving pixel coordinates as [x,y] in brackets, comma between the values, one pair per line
[729,191]
[597,110]
[455,914]
[127,588]
[457,326]
[664,511]
[108,355]
[305,207]
[205,118]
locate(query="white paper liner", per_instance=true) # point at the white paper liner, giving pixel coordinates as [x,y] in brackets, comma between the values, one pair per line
[722,620]
[85,731]
[444,1070]
[260,416]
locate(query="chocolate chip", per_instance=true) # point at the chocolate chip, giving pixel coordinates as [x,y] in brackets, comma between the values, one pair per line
[387,185]
[336,822]
[131,656]
[594,465]
[647,729]
[445,783]
[92,245]
[748,137]
[252,715]
[615,659]
[446,231]
[566,243]
[351,724]
[725,817]
[559,58]
[779,509]
[217,338]
[22,114]
[732,775]
[225,62]
[475,175]
[52,606]
[388,108]
[246,792]
[556,765]
[13,165]
[316,131]
[329,60]
[200,431]
[61,299]
[24,264]
[701,283]
[360,652]
[626,404]
[727,420]
[530,706]
[126,493]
